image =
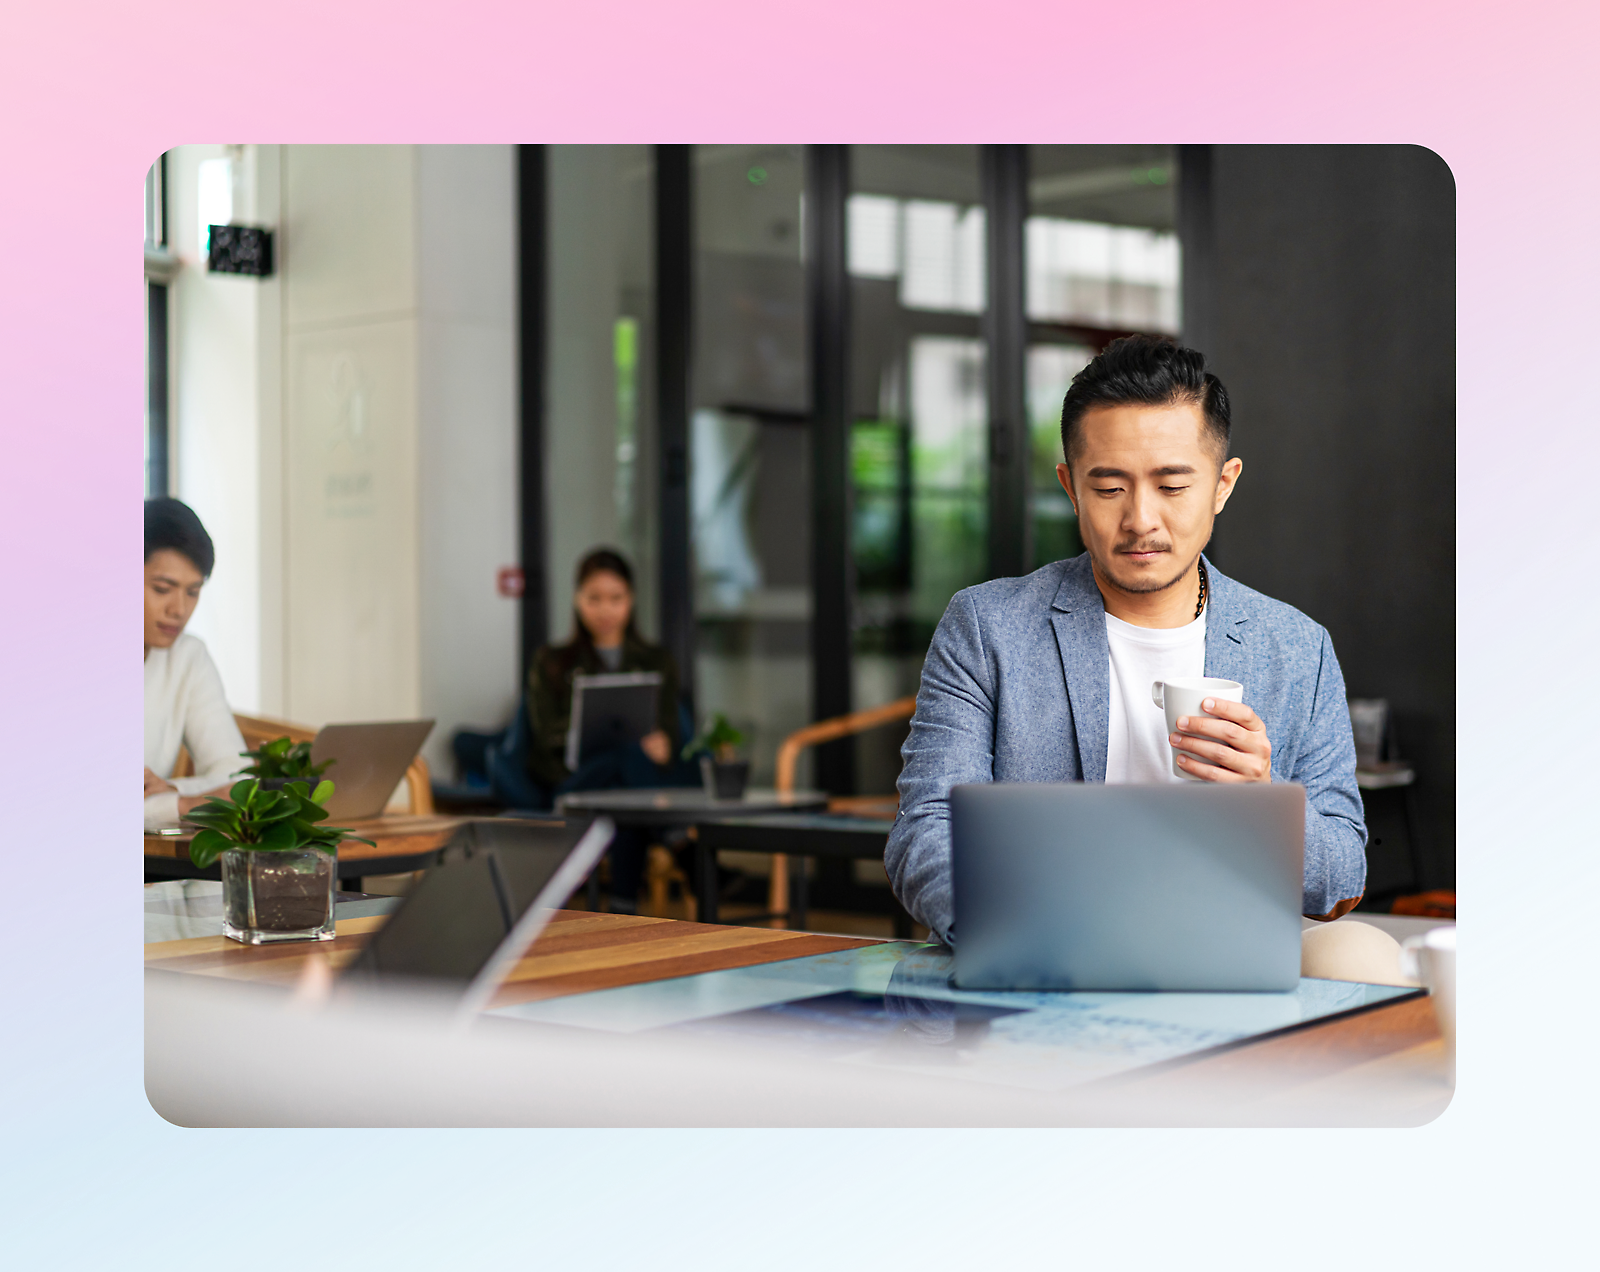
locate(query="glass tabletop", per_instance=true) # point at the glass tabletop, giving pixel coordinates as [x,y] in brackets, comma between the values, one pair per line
[177,909]
[892,1005]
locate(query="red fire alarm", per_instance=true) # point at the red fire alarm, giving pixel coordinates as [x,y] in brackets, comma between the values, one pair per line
[510,582]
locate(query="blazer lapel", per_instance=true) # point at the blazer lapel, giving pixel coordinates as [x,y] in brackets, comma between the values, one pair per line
[1227,623]
[1079,618]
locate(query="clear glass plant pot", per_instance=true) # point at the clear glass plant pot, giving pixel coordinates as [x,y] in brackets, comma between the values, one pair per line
[278,896]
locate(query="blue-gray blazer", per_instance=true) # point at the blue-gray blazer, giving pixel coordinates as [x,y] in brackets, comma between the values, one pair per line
[1017,688]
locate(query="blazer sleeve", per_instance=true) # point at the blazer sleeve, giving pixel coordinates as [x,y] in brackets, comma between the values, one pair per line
[1336,828]
[951,742]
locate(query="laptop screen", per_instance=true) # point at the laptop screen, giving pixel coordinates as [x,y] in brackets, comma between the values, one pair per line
[457,916]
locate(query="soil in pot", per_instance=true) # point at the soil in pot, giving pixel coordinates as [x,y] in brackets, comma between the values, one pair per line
[287,900]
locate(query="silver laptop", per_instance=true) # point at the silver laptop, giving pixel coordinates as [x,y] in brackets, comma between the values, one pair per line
[369,762]
[1080,885]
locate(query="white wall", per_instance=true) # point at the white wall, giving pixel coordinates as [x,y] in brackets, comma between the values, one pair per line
[347,432]
[467,422]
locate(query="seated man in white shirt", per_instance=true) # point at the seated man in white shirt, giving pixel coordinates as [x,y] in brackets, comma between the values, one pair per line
[184,705]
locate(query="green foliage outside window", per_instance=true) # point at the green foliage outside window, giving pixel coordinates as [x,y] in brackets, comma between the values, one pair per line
[1055,525]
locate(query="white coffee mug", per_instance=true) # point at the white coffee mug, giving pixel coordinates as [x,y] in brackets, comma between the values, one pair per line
[1183,698]
[1431,959]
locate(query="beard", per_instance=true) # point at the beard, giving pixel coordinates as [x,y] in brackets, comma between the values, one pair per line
[1146,585]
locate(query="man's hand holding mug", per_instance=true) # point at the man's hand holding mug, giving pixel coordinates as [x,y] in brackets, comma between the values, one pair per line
[1214,736]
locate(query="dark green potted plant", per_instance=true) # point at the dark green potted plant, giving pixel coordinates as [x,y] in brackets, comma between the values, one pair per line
[281,761]
[723,774]
[279,866]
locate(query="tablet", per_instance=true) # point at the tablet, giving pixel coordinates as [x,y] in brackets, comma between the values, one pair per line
[609,710]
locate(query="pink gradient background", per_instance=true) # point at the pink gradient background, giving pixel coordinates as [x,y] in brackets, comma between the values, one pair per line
[92,93]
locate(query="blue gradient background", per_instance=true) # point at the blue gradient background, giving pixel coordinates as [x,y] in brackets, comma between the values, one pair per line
[92,93]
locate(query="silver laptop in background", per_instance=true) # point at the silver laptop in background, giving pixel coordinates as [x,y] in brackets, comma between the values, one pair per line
[369,762]
[1085,886]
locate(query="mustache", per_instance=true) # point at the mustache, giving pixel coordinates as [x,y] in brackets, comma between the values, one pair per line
[1136,546]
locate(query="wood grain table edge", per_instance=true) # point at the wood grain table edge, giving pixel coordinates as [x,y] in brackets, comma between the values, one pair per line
[1381,1067]
[1300,1053]
[541,981]
[1380,1064]
[581,952]
[273,963]
[577,952]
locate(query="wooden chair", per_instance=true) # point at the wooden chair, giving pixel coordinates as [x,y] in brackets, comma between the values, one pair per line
[258,729]
[883,806]
[660,873]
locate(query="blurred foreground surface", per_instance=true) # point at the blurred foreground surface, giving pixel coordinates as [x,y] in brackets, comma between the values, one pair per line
[864,1036]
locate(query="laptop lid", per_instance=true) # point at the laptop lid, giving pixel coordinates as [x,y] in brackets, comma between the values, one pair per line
[369,761]
[1089,886]
[467,921]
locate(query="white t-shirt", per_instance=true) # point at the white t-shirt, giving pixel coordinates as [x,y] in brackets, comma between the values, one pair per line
[1136,748]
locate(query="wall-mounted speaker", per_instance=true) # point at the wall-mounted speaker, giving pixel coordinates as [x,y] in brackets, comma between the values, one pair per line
[240,249]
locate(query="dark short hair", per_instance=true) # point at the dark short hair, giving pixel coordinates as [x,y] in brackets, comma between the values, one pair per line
[1146,371]
[170,524]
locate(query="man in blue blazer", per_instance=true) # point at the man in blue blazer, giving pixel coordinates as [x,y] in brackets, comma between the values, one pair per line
[1048,678]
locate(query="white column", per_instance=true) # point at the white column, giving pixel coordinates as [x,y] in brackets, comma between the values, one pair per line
[467,421]
[351,598]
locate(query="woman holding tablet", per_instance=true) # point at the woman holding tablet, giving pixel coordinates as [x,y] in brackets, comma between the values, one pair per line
[184,705]
[604,639]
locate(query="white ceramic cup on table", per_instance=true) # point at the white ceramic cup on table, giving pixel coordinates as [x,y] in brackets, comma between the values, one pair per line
[1430,959]
[1183,698]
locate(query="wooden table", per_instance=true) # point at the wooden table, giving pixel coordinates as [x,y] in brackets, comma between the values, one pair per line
[579,951]
[1384,1065]
[402,843]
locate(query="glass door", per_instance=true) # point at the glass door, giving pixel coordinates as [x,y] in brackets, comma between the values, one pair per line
[919,453]
[1102,261]
[749,447]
